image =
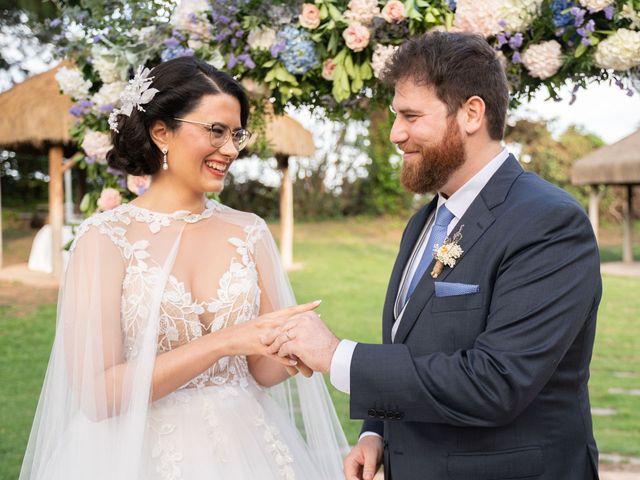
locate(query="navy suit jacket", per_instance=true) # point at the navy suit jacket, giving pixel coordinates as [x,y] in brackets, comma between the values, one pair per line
[491,385]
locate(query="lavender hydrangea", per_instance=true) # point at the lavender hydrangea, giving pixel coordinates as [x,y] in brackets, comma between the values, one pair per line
[608,12]
[300,54]
[80,108]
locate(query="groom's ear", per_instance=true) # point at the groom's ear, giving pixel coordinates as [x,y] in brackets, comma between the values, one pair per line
[473,118]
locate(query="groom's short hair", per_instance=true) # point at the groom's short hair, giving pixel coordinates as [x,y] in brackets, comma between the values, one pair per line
[457,66]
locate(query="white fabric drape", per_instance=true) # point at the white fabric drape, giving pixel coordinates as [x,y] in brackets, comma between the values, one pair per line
[139,284]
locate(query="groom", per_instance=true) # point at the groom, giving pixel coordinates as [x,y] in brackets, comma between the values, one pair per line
[484,365]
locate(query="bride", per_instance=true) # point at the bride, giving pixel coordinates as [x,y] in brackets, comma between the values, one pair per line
[157,370]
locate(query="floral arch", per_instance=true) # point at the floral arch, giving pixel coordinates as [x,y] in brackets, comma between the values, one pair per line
[326,53]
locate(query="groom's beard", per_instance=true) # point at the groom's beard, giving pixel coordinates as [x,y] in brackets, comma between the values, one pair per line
[433,169]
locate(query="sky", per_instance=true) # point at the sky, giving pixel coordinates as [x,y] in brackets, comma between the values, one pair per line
[602,109]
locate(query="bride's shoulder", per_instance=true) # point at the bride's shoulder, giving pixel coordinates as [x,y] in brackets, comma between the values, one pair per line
[101,225]
[239,217]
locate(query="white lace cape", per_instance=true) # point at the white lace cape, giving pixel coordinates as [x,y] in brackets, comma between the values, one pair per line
[141,283]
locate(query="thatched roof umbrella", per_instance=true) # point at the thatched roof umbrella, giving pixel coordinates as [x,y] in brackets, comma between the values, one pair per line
[287,137]
[35,118]
[615,164]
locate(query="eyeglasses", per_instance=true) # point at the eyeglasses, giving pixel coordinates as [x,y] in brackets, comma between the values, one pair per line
[219,134]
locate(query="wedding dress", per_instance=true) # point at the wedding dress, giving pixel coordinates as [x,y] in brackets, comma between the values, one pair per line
[140,284]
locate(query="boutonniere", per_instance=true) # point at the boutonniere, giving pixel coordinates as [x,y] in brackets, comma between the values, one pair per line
[447,253]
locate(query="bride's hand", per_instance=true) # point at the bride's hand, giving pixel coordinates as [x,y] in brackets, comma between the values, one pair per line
[245,338]
[300,367]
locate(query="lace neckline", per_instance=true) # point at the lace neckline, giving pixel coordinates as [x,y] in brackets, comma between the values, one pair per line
[185,215]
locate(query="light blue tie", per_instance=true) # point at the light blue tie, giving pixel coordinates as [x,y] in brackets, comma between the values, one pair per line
[437,236]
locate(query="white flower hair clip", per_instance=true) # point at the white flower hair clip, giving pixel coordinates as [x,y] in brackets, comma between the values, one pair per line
[135,94]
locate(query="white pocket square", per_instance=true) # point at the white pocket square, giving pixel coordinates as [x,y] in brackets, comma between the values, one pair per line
[448,289]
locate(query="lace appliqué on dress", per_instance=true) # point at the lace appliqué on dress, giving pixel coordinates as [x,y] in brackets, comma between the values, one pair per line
[237,300]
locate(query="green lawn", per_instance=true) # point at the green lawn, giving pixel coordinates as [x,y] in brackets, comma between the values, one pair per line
[347,265]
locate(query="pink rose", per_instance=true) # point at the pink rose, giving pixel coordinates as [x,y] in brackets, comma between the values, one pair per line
[310,16]
[327,69]
[138,184]
[109,198]
[393,11]
[356,36]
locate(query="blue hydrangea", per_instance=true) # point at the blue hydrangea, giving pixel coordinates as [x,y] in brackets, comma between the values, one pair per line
[174,52]
[562,19]
[299,55]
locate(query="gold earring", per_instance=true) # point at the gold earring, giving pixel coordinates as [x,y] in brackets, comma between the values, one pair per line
[165,165]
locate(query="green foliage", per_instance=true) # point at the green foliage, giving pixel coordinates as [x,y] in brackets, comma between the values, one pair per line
[381,188]
[22,180]
[552,158]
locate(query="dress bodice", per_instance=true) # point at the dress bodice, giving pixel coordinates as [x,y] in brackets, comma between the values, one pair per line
[232,290]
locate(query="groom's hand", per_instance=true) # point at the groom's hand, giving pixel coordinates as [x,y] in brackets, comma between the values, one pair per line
[364,459]
[306,337]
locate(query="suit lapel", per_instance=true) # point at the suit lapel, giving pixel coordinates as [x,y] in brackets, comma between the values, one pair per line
[406,248]
[476,220]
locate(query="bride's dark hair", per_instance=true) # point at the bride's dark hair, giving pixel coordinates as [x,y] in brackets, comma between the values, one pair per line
[181,82]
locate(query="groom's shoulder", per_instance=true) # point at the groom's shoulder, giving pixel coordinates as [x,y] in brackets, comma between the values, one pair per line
[532,199]
[531,191]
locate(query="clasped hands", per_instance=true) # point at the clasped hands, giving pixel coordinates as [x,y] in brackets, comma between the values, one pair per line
[305,339]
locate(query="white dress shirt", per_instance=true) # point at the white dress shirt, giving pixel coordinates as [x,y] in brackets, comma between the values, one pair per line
[457,204]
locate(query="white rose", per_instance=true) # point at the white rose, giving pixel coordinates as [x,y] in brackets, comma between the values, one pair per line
[96,145]
[216,59]
[381,55]
[261,38]
[138,185]
[109,94]
[190,16]
[486,17]
[109,198]
[74,32]
[362,11]
[143,35]
[543,60]
[356,36]
[518,14]
[393,11]
[328,68]
[310,16]
[596,5]
[72,83]
[502,58]
[620,51]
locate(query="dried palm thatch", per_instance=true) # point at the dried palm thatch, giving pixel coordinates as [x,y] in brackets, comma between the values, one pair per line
[287,136]
[618,163]
[34,113]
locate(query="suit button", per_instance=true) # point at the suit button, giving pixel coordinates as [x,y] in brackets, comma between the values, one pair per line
[391,415]
[372,413]
[398,416]
[381,414]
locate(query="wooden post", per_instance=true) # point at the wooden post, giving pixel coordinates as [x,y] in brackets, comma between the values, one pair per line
[627,220]
[1,253]
[286,212]
[594,203]
[56,211]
